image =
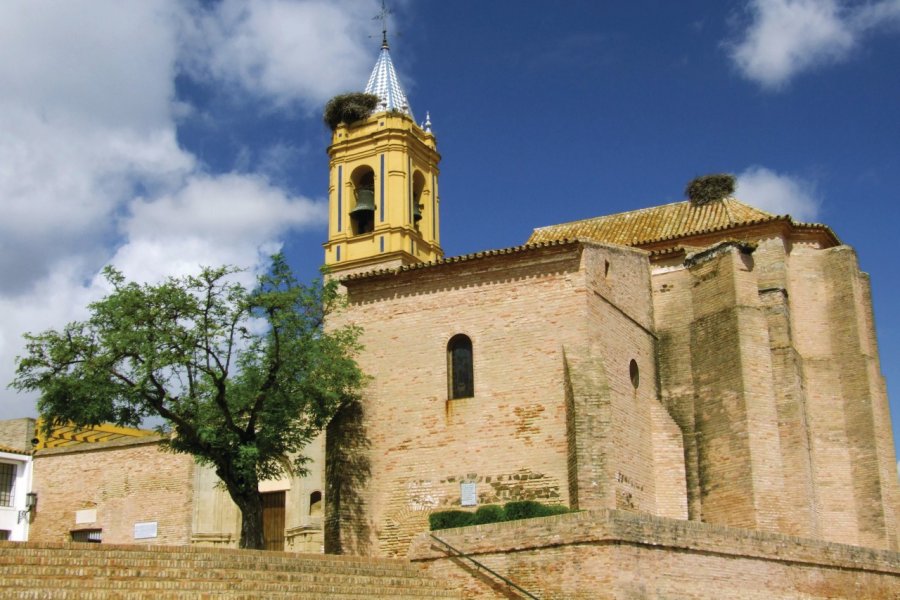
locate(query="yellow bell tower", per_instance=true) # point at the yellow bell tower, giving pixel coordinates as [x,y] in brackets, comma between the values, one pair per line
[383,188]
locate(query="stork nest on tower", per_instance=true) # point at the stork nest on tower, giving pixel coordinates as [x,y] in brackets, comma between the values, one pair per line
[349,108]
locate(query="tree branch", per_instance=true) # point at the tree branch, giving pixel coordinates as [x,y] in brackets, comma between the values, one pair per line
[271,375]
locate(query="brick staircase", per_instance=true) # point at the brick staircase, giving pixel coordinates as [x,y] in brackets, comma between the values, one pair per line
[93,571]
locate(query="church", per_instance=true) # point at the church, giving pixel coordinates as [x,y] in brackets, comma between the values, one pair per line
[698,381]
[703,361]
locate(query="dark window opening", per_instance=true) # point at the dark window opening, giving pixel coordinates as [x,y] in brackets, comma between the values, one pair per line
[418,188]
[635,374]
[7,483]
[315,503]
[92,536]
[459,363]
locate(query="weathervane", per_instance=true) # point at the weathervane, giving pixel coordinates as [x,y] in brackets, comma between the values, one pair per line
[383,15]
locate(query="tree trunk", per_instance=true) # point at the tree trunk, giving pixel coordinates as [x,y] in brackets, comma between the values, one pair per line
[244,492]
[251,522]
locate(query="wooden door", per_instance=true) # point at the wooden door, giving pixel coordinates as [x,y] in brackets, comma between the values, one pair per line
[273,520]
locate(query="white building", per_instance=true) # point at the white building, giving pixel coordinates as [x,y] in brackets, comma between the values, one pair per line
[15,486]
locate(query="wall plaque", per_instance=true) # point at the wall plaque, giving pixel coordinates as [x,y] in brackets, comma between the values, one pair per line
[88,515]
[143,531]
[468,494]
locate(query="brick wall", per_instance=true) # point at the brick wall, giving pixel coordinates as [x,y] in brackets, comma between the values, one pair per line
[555,417]
[419,446]
[739,386]
[116,484]
[17,434]
[769,365]
[614,554]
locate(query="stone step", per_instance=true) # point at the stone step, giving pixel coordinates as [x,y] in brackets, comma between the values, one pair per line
[176,554]
[98,566]
[87,571]
[132,594]
[97,572]
[311,590]
[252,559]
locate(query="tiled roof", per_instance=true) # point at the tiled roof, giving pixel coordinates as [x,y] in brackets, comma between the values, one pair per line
[667,222]
[648,228]
[69,435]
[383,82]
[11,450]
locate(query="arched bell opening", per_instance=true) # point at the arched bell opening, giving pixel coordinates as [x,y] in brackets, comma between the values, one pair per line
[418,188]
[362,215]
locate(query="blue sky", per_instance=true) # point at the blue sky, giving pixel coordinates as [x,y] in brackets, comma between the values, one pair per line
[157,136]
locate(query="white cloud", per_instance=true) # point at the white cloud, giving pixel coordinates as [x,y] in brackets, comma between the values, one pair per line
[786,37]
[289,52]
[55,300]
[778,193]
[81,125]
[91,171]
[233,219]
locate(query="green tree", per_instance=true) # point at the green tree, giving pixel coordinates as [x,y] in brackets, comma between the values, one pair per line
[243,379]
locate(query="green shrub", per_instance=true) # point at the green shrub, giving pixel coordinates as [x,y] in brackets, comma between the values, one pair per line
[490,513]
[447,519]
[710,188]
[349,108]
[522,509]
[556,509]
[529,509]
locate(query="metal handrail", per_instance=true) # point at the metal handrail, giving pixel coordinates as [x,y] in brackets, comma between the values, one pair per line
[460,554]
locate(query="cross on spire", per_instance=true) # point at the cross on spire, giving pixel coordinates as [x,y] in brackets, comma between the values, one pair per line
[383,15]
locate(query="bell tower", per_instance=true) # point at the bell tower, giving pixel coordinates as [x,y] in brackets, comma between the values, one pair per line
[383,184]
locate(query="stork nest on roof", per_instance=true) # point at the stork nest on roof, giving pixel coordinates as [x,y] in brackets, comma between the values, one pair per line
[709,188]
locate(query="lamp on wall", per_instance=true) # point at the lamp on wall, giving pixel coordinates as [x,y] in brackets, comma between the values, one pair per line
[30,504]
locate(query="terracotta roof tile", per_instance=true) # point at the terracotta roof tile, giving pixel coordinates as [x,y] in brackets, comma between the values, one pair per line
[11,450]
[70,435]
[666,222]
[636,228]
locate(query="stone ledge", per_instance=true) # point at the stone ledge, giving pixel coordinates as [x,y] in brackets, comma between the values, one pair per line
[602,527]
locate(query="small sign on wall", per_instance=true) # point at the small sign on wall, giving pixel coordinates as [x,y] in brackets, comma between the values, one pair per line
[468,494]
[143,531]
[88,515]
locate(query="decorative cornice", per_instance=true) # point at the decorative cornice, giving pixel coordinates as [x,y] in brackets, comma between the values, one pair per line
[475,256]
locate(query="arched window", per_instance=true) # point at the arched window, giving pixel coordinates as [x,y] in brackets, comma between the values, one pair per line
[418,188]
[315,503]
[362,216]
[459,367]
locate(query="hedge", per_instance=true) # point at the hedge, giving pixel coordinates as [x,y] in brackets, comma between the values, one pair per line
[529,509]
[448,519]
[492,513]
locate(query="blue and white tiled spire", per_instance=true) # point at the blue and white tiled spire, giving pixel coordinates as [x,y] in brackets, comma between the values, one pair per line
[384,83]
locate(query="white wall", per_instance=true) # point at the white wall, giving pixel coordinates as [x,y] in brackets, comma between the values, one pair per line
[9,515]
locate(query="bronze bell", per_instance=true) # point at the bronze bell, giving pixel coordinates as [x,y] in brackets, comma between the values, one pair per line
[365,201]
[417,212]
